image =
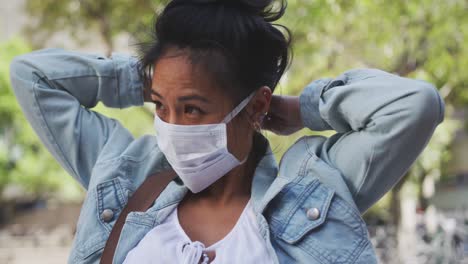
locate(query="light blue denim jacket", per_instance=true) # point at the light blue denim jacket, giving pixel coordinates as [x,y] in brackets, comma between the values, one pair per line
[308,208]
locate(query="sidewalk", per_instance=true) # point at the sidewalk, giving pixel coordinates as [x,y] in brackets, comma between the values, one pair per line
[41,236]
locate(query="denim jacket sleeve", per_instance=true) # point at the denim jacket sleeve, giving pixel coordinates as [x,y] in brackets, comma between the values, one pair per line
[55,89]
[383,122]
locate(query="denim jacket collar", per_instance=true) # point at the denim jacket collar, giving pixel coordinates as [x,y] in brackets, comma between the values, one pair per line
[265,176]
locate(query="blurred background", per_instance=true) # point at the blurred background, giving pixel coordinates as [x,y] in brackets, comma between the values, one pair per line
[424,219]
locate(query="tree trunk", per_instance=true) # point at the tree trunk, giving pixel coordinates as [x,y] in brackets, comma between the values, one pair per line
[422,202]
[106,34]
[395,203]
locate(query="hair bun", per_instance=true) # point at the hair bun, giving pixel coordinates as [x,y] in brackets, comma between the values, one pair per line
[263,8]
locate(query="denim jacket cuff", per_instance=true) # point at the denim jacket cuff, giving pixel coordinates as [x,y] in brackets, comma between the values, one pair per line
[130,86]
[309,100]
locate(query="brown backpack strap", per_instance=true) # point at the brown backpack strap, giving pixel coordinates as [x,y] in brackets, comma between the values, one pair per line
[140,201]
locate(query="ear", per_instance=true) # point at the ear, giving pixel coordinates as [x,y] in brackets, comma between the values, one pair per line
[260,104]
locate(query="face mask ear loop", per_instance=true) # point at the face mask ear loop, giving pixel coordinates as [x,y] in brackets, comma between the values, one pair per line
[238,108]
[245,159]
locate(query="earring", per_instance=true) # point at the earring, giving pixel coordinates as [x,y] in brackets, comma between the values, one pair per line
[257,126]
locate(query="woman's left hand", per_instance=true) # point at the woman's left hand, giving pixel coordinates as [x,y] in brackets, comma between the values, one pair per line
[284,116]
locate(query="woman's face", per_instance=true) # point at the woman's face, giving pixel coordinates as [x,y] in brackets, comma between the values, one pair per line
[184,95]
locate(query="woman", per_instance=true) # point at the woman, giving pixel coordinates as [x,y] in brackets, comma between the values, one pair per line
[211,71]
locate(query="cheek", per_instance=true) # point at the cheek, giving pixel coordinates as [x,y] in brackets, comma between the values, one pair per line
[239,134]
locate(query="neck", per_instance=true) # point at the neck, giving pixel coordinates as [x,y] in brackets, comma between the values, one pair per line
[233,186]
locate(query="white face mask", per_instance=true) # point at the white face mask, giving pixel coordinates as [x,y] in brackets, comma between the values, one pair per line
[198,153]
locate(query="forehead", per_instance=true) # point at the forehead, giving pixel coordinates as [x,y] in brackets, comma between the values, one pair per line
[174,72]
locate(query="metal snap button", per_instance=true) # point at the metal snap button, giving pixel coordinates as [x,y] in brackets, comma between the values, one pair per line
[313,213]
[107,215]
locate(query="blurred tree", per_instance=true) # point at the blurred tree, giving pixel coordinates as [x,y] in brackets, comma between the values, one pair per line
[79,17]
[23,161]
[434,159]
[423,39]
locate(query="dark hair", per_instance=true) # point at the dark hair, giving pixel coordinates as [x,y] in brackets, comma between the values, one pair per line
[233,40]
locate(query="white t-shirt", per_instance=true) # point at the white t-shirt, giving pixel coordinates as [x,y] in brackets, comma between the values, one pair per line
[168,243]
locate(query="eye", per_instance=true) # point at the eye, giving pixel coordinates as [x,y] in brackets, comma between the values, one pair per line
[159,106]
[193,110]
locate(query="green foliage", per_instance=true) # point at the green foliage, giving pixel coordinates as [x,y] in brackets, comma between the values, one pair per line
[24,161]
[80,17]
[9,114]
[423,39]
[138,120]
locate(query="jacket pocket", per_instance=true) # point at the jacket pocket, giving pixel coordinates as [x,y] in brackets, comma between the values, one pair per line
[307,212]
[111,199]
[98,215]
[309,221]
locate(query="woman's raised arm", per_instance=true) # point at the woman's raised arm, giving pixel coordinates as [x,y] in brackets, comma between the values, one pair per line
[383,121]
[55,88]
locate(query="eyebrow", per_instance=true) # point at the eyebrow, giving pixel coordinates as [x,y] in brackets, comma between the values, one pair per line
[185,98]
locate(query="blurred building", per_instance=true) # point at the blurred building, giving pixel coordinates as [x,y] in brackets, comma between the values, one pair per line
[451,192]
